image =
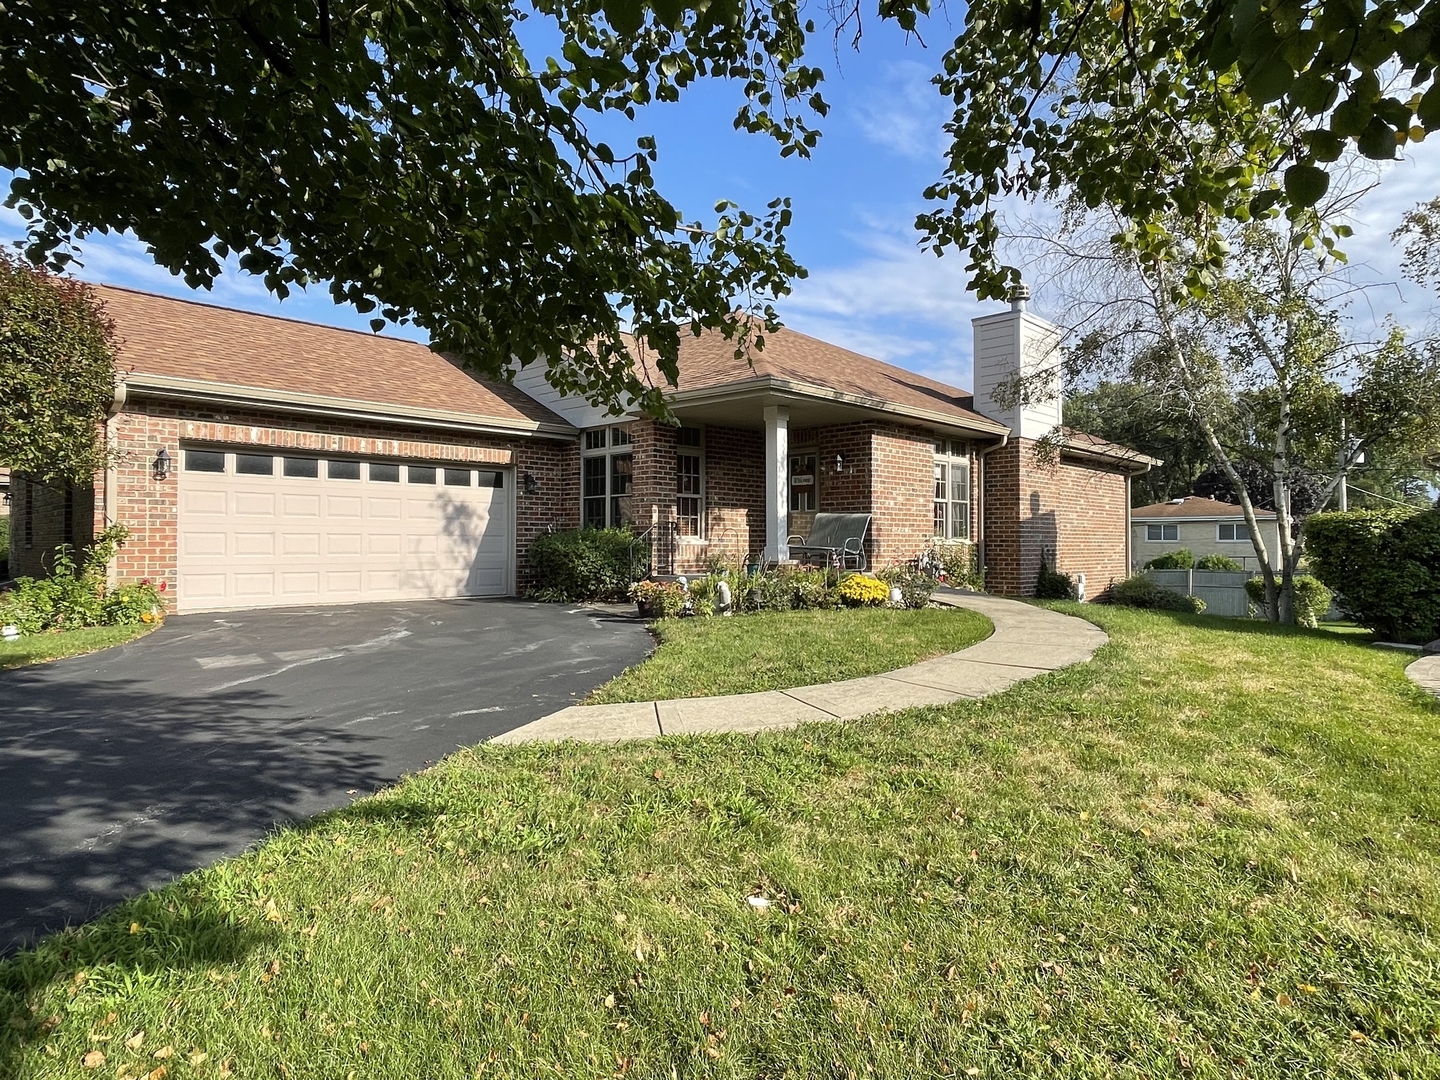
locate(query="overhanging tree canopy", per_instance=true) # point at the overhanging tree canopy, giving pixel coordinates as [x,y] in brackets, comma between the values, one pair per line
[409,153]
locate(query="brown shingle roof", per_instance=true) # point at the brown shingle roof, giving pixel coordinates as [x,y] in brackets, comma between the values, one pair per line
[708,362]
[184,339]
[1194,506]
[1081,442]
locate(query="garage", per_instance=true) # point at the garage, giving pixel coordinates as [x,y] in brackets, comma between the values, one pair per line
[263,529]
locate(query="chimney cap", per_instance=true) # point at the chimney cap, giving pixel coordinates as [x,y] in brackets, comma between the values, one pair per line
[1019,296]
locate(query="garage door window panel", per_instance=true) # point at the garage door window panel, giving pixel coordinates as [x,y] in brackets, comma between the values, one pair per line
[384,473]
[302,468]
[342,470]
[255,464]
[210,461]
[457,478]
[420,474]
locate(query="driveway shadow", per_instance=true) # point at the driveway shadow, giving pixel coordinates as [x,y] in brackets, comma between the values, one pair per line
[110,791]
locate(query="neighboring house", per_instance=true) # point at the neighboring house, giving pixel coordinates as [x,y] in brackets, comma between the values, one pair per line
[4,492]
[263,461]
[1202,526]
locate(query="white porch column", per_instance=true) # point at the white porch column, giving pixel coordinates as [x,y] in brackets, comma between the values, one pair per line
[777,479]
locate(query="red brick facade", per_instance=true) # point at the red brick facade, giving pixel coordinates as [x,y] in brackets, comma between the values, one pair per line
[148,506]
[1073,515]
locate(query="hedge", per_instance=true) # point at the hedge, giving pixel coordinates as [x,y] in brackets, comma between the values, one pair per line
[1312,598]
[1384,566]
[584,564]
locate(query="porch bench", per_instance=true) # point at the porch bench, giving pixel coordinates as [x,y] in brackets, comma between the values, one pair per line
[835,539]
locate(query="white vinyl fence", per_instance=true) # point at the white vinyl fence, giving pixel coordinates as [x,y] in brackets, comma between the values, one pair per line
[1222,590]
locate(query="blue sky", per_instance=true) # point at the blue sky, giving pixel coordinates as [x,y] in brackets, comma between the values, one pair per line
[870,287]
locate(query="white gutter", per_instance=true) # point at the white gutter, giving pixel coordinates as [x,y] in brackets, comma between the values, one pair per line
[169,386]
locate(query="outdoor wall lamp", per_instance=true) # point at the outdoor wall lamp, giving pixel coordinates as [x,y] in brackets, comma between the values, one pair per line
[161,465]
[839,462]
[532,486]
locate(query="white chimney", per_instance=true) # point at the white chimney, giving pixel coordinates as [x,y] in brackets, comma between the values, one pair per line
[1013,343]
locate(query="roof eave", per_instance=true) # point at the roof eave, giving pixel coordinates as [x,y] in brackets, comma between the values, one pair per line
[763,384]
[170,386]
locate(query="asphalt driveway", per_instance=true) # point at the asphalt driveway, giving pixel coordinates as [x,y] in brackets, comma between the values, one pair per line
[124,769]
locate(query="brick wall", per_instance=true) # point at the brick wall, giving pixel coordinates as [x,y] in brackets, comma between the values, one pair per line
[903,499]
[148,506]
[44,516]
[1074,513]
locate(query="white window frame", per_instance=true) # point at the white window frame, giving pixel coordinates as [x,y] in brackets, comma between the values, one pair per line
[1240,533]
[951,455]
[608,443]
[798,455]
[1162,538]
[691,450]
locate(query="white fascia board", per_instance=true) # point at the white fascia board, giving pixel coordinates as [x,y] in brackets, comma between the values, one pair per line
[768,384]
[321,405]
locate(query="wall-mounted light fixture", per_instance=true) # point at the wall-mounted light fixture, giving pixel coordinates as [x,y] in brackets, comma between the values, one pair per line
[532,486]
[839,462]
[160,468]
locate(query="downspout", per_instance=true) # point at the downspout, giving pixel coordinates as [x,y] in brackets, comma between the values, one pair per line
[980,525]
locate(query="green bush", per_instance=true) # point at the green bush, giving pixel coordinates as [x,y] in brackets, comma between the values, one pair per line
[1183,559]
[1053,585]
[1140,592]
[810,589]
[915,586]
[75,596]
[955,562]
[583,564]
[1312,599]
[1218,562]
[771,592]
[4,547]
[1384,566]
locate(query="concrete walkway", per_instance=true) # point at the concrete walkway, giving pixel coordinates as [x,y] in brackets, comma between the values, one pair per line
[1028,641]
[1424,673]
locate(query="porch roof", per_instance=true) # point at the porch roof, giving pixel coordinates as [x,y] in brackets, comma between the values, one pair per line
[820,383]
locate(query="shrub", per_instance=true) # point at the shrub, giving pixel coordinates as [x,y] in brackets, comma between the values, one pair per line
[1312,599]
[1183,559]
[915,585]
[810,589]
[858,590]
[1384,566]
[1053,585]
[1218,562]
[74,596]
[772,592]
[955,562]
[583,564]
[1140,592]
[704,594]
[661,599]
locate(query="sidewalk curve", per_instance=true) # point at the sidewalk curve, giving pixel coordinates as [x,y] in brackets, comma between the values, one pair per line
[1028,641]
[1425,673]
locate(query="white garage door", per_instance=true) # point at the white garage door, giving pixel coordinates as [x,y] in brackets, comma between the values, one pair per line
[260,530]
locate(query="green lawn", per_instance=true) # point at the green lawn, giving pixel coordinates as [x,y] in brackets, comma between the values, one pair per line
[37,648]
[773,650]
[1212,852]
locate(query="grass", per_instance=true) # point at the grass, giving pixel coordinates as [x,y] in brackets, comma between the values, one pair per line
[1212,852]
[773,650]
[38,648]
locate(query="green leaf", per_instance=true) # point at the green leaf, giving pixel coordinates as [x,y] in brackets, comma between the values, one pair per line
[1377,141]
[1269,79]
[1305,185]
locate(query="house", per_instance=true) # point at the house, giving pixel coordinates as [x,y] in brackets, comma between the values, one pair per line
[263,461]
[1201,526]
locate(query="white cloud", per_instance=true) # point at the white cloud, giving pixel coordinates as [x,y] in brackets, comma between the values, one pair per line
[903,112]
